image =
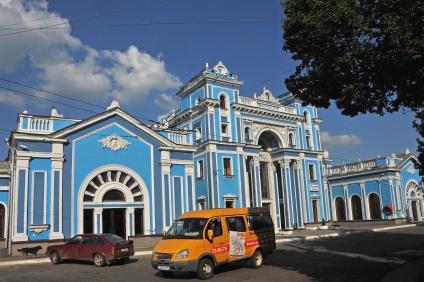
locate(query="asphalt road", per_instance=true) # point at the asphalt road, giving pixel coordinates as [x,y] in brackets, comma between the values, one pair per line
[366,256]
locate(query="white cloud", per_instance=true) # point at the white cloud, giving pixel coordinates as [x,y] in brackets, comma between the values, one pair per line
[67,66]
[166,101]
[12,100]
[340,140]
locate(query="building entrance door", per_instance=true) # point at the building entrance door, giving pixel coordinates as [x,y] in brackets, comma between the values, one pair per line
[315,209]
[114,222]
[356,208]
[414,210]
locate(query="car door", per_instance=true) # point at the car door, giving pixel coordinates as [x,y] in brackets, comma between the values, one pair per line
[218,246]
[72,248]
[88,247]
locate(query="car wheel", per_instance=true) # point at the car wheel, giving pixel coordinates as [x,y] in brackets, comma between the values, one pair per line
[257,259]
[55,258]
[99,260]
[205,269]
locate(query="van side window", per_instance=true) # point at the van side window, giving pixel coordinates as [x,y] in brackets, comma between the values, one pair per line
[268,221]
[236,224]
[256,222]
[216,226]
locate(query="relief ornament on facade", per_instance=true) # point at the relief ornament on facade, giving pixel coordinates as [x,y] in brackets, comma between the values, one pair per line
[114,142]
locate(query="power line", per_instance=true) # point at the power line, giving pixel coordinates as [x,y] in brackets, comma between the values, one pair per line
[204,22]
[49,92]
[81,19]
[270,79]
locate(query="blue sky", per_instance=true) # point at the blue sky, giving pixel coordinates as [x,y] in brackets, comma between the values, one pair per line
[95,59]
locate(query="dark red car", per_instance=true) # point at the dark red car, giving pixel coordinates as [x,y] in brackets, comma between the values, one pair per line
[101,249]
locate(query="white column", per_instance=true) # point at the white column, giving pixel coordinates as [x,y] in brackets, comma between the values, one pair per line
[284,164]
[257,180]
[364,201]
[246,181]
[56,166]
[299,197]
[129,212]
[98,220]
[348,203]
[274,201]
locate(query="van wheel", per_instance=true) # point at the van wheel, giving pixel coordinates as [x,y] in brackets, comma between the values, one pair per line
[99,260]
[55,258]
[205,269]
[256,260]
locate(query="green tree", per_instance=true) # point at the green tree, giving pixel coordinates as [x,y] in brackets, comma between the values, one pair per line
[366,56]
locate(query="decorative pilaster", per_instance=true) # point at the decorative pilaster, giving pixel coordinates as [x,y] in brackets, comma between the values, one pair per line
[257,174]
[56,192]
[348,203]
[20,200]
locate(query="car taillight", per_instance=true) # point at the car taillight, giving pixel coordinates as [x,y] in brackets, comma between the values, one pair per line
[114,251]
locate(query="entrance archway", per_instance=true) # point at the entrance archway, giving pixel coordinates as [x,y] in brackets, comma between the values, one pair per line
[269,140]
[374,205]
[356,207]
[114,199]
[340,209]
[414,198]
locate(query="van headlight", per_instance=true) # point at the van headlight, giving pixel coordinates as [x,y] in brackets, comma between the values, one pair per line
[182,254]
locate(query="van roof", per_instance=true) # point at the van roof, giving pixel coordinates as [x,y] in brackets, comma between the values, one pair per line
[222,212]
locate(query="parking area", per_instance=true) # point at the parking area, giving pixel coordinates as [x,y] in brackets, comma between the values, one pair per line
[365,256]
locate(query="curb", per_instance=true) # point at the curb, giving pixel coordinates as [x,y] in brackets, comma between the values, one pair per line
[392,227]
[310,237]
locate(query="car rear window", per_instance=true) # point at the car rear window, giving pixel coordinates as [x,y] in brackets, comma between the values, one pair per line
[113,239]
[268,221]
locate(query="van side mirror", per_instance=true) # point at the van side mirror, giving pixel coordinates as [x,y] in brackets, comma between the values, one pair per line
[209,235]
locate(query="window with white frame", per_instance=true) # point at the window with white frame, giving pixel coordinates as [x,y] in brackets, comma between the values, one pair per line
[228,170]
[222,102]
[311,169]
[247,133]
[224,129]
[291,139]
[308,141]
[39,197]
[200,169]
[229,203]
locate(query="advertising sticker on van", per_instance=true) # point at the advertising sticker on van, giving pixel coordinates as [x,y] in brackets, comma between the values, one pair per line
[237,241]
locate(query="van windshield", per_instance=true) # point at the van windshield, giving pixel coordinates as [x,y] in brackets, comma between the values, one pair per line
[186,228]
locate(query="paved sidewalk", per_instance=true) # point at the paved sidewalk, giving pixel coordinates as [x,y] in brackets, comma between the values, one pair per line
[296,235]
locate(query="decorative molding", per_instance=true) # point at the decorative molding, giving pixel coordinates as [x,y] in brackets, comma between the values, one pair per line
[266,95]
[411,169]
[114,142]
[39,227]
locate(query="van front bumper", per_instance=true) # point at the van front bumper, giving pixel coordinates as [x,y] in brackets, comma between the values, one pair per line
[189,266]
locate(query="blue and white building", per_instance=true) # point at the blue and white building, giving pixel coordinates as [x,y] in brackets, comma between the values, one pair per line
[388,187]
[113,173]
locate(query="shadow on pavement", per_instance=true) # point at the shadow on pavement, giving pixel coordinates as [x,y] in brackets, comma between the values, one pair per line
[113,264]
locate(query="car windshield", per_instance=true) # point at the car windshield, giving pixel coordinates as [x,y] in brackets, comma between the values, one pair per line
[186,228]
[113,238]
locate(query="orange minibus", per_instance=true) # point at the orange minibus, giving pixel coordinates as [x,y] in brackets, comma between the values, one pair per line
[198,241]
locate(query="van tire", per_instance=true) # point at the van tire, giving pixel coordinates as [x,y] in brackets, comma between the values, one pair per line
[257,259]
[205,269]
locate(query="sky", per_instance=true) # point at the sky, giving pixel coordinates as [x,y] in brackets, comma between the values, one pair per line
[139,52]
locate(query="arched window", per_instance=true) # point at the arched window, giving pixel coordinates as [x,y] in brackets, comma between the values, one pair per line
[113,196]
[247,134]
[222,102]
[340,209]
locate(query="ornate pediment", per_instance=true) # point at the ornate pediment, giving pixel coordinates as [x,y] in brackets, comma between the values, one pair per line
[267,96]
[114,142]
[221,68]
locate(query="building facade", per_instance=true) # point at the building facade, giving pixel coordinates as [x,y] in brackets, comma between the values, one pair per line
[112,173]
[387,187]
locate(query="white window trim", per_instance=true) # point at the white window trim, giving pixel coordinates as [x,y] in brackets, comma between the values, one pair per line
[45,196]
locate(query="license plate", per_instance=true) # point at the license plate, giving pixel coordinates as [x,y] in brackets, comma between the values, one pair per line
[124,250]
[163,267]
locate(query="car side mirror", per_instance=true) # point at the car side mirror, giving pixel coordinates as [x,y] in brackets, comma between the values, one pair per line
[164,231]
[209,235]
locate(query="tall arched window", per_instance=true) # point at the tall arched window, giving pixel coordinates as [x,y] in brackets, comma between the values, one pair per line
[307,117]
[113,196]
[222,102]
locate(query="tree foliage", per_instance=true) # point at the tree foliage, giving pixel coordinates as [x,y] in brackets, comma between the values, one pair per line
[367,56]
